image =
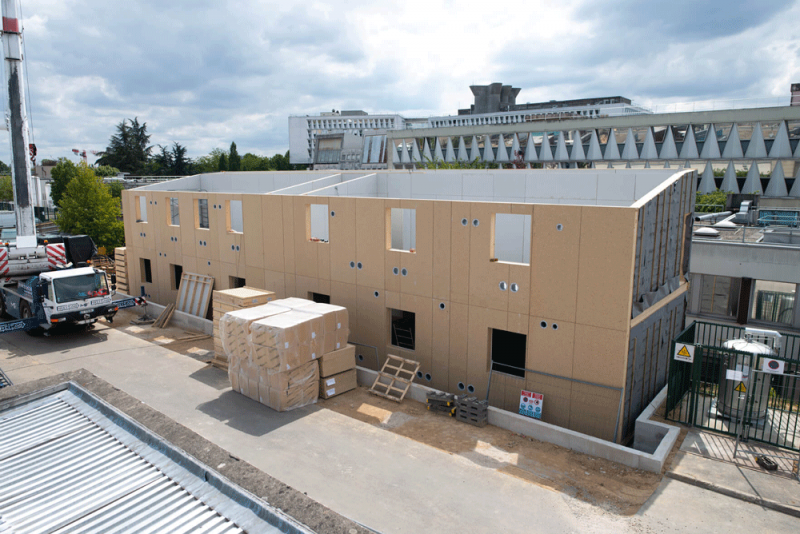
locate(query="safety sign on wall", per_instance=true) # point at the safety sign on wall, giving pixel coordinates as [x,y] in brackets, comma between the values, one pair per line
[530,404]
[773,366]
[684,352]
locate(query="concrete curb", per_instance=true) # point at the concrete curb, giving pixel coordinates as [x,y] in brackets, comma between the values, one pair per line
[746,497]
[661,437]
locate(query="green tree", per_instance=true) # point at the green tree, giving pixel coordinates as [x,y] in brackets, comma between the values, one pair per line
[62,175]
[105,171]
[180,163]
[116,189]
[87,207]
[223,163]
[711,202]
[234,160]
[207,163]
[252,162]
[129,148]
[4,169]
[6,189]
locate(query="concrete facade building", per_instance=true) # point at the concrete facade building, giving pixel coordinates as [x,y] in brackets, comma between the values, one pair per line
[566,283]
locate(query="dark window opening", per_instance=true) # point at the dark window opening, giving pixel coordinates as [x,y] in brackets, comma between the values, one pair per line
[235,282]
[403,329]
[147,274]
[319,298]
[508,352]
[177,273]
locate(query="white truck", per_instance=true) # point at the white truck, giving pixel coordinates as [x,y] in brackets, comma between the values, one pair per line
[42,284]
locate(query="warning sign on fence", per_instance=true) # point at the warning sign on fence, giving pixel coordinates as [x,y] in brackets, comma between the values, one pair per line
[684,352]
[531,404]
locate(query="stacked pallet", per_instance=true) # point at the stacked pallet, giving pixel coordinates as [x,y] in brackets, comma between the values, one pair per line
[273,351]
[442,403]
[233,300]
[121,268]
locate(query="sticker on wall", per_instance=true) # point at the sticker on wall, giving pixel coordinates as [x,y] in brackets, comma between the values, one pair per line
[684,352]
[531,404]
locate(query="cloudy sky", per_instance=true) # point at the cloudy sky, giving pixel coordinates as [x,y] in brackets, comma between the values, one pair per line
[205,73]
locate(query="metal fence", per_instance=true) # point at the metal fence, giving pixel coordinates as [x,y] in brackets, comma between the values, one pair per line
[754,396]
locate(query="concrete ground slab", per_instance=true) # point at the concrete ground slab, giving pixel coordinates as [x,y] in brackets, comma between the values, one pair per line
[376,477]
[706,460]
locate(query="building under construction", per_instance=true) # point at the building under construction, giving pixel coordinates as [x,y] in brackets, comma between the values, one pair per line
[568,283]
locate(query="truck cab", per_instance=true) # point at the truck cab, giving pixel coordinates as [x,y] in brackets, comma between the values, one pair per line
[79,296]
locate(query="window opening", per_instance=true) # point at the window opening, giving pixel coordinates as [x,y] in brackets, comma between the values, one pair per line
[235,281]
[773,302]
[508,352]
[235,219]
[319,298]
[317,223]
[141,209]
[176,272]
[403,329]
[147,274]
[174,212]
[511,238]
[403,229]
[202,213]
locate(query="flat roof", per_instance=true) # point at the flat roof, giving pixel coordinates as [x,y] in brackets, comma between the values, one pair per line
[598,187]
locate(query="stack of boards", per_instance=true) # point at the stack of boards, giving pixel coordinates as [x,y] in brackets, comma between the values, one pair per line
[276,351]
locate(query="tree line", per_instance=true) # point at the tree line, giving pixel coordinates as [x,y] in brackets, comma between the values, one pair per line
[130,151]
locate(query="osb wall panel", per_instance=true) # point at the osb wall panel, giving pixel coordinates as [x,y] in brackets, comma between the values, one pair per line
[451,285]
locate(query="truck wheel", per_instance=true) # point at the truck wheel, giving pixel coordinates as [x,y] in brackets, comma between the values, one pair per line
[25,313]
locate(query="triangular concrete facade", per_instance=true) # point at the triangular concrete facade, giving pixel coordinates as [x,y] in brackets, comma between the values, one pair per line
[415,157]
[545,153]
[612,149]
[729,182]
[756,148]
[649,147]
[462,149]
[450,155]
[668,150]
[488,153]
[777,182]
[475,151]
[404,152]
[711,146]
[629,151]
[561,148]
[733,147]
[530,150]
[780,146]
[753,182]
[502,151]
[795,192]
[689,148]
[437,152]
[594,153]
[426,151]
[577,147]
[707,184]
[514,147]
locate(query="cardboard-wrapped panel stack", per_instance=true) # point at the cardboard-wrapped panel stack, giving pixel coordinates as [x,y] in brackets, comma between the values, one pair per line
[273,350]
[121,270]
[232,300]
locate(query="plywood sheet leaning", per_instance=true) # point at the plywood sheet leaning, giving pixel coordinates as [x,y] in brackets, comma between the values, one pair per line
[165,316]
[395,378]
[194,294]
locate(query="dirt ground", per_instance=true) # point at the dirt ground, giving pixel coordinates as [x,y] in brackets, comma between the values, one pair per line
[614,487]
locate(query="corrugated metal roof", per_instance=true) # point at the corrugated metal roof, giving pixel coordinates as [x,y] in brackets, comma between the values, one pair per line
[62,470]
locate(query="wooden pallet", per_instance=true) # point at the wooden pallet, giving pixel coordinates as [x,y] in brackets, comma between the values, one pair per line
[395,378]
[194,293]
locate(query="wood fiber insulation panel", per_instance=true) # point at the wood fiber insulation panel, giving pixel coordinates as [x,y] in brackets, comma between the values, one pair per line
[161,279]
[255,277]
[392,257]
[392,299]
[600,355]
[343,239]
[440,345]
[460,224]
[519,301]
[593,410]
[343,294]
[486,276]
[481,320]
[275,281]
[556,242]
[372,328]
[202,237]
[459,344]
[226,271]
[551,351]
[153,227]
[289,280]
[137,228]
[419,264]
[324,252]
[289,235]
[440,282]
[497,390]
[305,286]
[513,386]
[305,251]
[227,239]
[422,309]
[186,208]
[518,323]
[272,234]
[159,222]
[253,239]
[605,275]
[128,216]
[370,242]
